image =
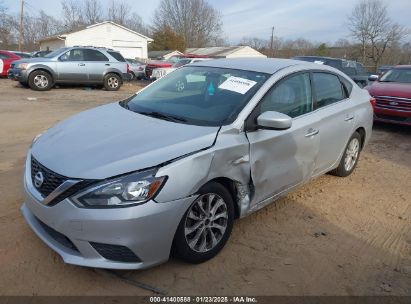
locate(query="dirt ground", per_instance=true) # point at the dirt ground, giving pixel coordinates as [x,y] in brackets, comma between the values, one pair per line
[334,236]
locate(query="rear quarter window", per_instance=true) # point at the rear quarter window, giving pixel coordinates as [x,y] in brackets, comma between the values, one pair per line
[347,86]
[117,56]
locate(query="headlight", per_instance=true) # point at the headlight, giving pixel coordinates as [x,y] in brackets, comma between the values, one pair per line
[134,189]
[22,66]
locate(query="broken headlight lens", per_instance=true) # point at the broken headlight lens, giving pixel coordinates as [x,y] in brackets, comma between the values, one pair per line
[134,189]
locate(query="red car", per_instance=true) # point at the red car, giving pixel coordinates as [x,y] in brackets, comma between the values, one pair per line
[392,92]
[154,64]
[6,58]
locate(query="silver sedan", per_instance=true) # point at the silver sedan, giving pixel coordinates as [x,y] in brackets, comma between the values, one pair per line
[173,166]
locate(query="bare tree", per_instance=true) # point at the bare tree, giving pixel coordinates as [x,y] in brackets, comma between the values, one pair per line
[135,23]
[256,43]
[374,30]
[92,11]
[118,12]
[72,14]
[198,22]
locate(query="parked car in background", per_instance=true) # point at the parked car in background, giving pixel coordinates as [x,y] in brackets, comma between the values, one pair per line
[160,72]
[137,69]
[39,54]
[392,93]
[74,65]
[383,69]
[155,64]
[21,54]
[170,169]
[353,69]
[6,58]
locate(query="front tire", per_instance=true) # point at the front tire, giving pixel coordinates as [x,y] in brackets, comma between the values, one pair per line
[112,82]
[206,226]
[40,81]
[350,157]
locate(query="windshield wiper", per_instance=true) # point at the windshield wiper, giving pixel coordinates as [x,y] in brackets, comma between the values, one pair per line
[163,116]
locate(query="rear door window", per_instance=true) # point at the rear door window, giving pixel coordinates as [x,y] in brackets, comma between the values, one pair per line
[117,56]
[94,55]
[328,89]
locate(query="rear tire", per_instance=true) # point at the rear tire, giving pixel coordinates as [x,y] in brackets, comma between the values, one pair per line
[112,82]
[350,157]
[40,81]
[206,226]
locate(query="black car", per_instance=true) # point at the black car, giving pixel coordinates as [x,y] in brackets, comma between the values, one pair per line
[353,69]
[40,54]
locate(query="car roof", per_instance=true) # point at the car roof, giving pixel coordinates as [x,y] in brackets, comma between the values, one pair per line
[261,65]
[402,66]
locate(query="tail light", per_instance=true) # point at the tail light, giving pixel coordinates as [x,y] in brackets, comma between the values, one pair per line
[373,102]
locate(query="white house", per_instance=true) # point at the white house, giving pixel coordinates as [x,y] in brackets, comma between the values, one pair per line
[105,34]
[226,52]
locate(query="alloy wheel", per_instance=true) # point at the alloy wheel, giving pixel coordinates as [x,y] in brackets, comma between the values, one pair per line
[351,155]
[113,82]
[41,81]
[206,222]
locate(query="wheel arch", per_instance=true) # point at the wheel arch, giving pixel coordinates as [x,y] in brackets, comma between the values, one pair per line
[362,133]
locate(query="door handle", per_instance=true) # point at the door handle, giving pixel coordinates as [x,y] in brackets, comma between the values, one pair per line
[81,64]
[349,118]
[311,133]
[107,64]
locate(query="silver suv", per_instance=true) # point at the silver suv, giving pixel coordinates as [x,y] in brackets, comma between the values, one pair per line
[74,65]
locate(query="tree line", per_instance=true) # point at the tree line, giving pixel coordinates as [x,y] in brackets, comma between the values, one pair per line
[374,37]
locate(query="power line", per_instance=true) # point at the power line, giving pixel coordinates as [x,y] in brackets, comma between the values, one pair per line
[21,24]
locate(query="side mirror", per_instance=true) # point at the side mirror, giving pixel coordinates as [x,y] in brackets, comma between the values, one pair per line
[274,120]
[373,78]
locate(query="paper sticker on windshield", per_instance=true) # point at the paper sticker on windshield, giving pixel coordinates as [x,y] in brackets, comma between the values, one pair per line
[237,84]
[319,62]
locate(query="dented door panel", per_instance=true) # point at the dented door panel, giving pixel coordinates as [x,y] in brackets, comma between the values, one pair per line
[282,159]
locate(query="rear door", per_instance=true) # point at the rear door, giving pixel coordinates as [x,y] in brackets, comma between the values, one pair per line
[281,159]
[337,118]
[71,66]
[96,63]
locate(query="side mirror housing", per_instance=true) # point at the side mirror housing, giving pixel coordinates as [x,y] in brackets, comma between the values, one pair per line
[373,78]
[274,121]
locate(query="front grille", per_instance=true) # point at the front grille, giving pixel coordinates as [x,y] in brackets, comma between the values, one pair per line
[393,103]
[58,237]
[115,253]
[51,179]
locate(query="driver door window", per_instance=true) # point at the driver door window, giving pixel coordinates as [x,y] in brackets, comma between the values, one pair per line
[291,96]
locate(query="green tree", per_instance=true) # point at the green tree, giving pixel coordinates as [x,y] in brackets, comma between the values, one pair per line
[166,39]
[323,50]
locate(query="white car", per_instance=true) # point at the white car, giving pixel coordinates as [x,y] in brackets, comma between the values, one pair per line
[161,72]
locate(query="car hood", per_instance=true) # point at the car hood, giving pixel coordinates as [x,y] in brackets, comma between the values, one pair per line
[110,140]
[395,89]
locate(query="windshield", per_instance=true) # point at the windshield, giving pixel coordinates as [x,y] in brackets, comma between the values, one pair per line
[202,96]
[55,53]
[397,75]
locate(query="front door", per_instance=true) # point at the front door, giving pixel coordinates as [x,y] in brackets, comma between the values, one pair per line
[281,159]
[71,67]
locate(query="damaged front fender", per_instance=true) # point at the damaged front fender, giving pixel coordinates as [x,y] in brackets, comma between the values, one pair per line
[228,158]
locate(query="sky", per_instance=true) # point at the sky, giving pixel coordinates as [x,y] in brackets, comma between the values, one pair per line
[317,20]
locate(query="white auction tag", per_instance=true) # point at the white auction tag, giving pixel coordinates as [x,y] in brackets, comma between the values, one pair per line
[1,66]
[237,84]
[319,62]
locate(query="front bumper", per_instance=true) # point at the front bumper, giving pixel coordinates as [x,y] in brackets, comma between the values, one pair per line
[18,75]
[392,116]
[146,231]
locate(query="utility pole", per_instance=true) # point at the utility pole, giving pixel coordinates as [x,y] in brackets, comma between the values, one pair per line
[21,24]
[272,42]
